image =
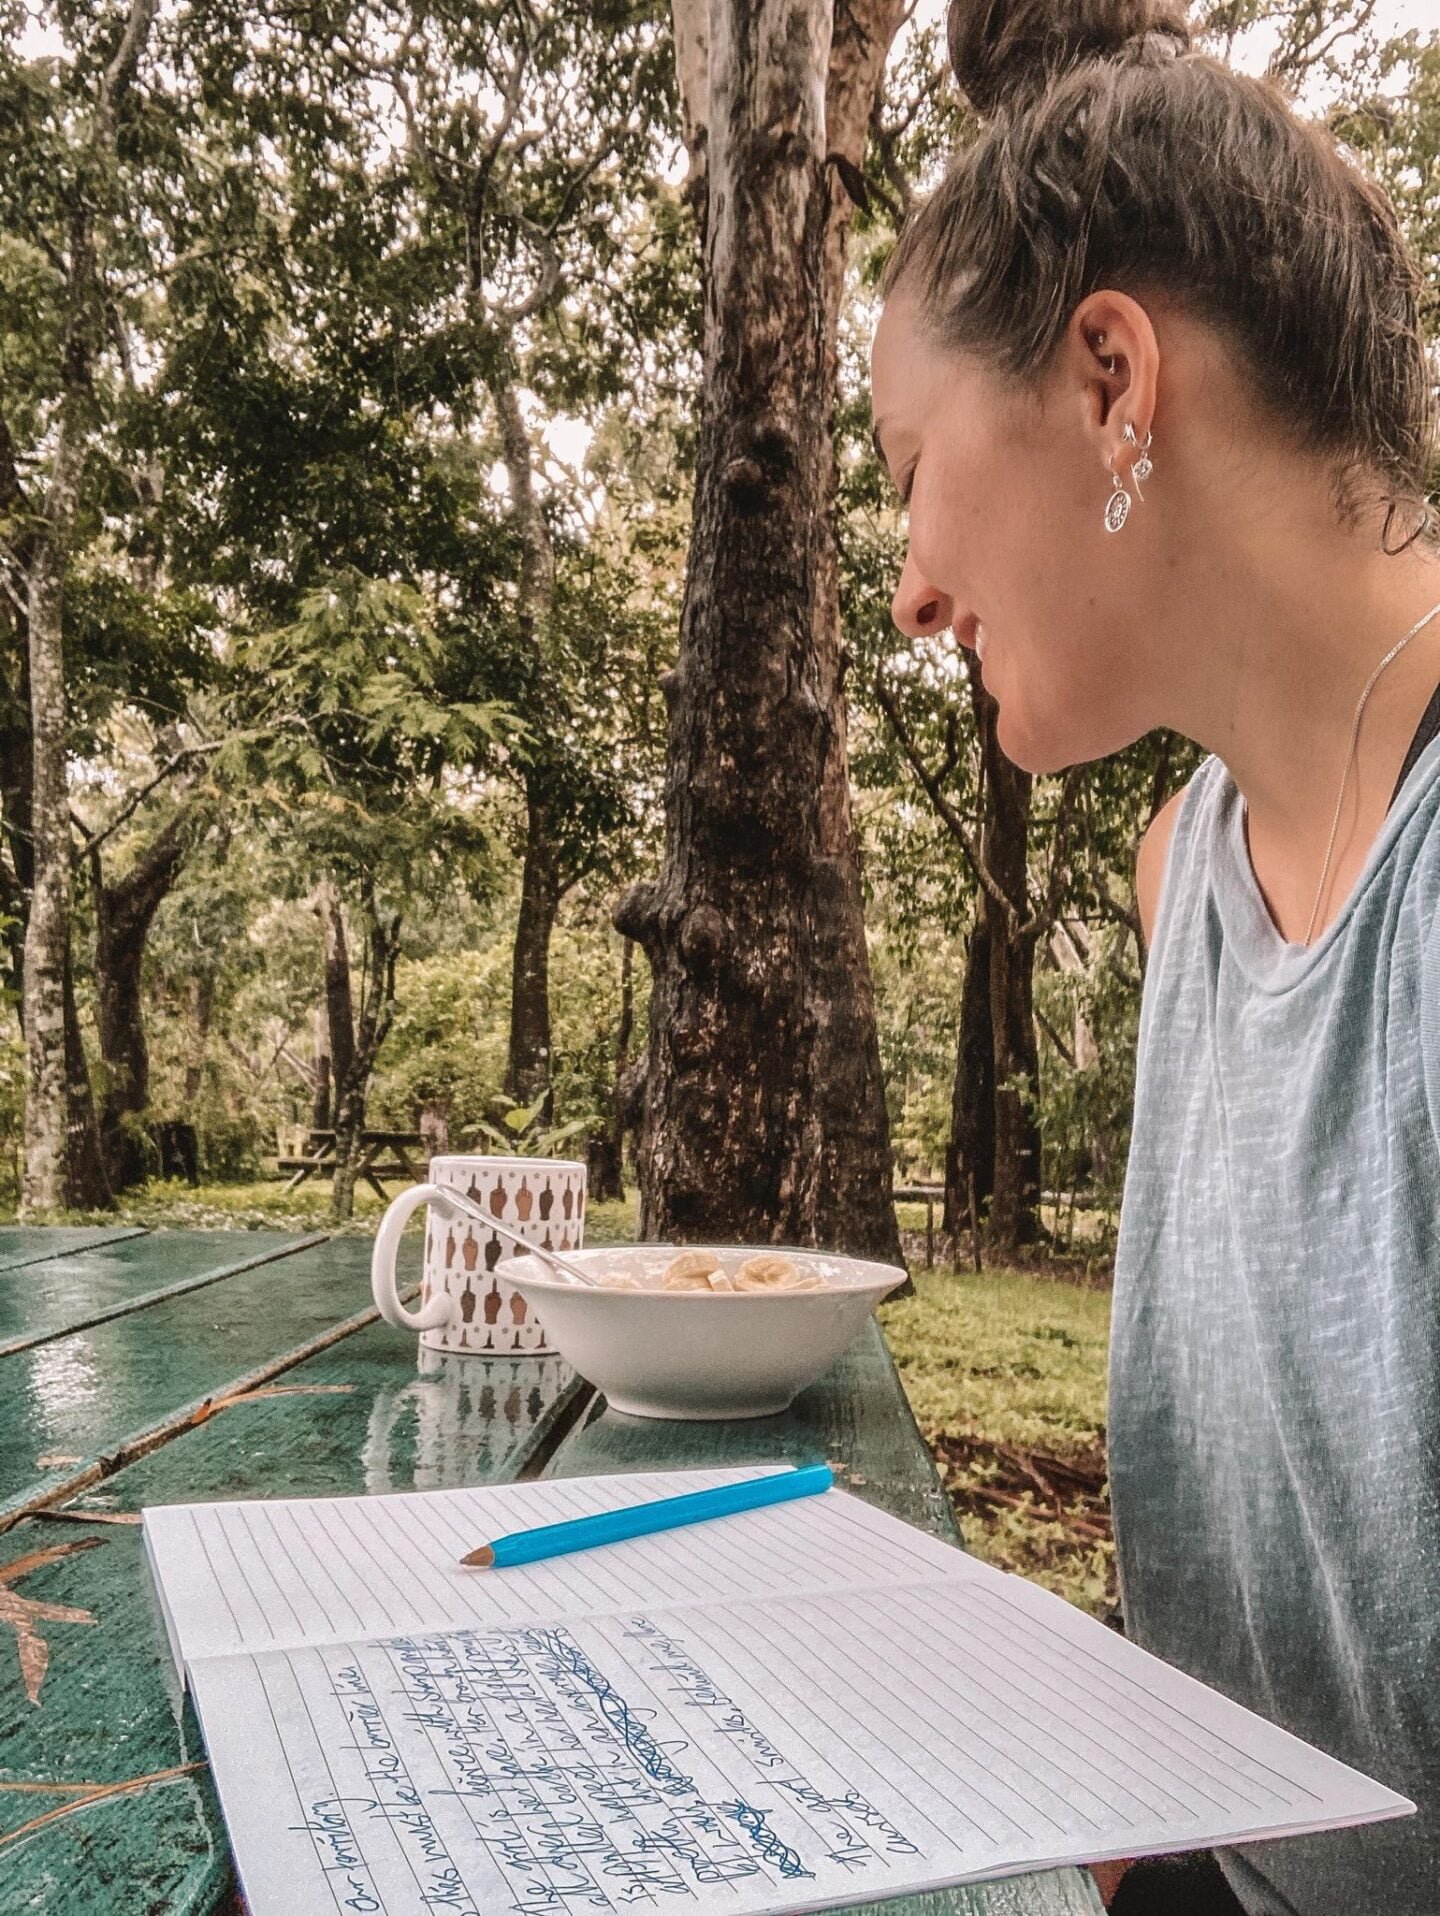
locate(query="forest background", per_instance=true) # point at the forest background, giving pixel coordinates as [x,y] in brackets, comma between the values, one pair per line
[362,481]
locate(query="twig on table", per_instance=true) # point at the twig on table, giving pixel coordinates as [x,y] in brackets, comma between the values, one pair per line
[98,1794]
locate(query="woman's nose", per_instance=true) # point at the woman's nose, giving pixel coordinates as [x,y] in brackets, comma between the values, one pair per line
[918,607]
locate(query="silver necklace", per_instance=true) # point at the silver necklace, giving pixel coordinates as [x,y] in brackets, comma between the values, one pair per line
[1394,652]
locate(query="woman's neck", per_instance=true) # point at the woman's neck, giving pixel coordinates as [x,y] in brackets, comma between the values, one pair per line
[1277,657]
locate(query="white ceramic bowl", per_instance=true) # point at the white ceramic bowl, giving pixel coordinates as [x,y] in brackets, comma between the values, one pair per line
[700,1354]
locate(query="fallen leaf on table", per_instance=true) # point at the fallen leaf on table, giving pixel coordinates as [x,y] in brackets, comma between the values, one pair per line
[94,1794]
[23,1613]
[88,1516]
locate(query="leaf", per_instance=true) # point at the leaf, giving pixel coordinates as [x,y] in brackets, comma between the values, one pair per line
[23,1613]
[88,1516]
[54,1458]
[35,1559]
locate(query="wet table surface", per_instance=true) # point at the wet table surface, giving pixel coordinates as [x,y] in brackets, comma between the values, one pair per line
[144,1368]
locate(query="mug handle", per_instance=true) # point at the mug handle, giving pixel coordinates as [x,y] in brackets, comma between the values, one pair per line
[430,1316]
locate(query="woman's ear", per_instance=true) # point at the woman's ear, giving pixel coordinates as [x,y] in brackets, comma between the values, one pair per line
[1111,359]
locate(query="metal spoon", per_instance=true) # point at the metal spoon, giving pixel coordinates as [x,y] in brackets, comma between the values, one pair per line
[454,1204]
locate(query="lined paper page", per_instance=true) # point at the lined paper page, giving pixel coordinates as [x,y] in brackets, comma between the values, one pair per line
[251,1576]
[783,1755]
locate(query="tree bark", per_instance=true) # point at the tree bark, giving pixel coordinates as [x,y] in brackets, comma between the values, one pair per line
[606,1156]
[124,912]
[542,885]
[89,1187]
[322,1107]
[339,1001]
[527,1072]
[202,1009]
[58,1174]
[970,1153]
[17,871]
[1012,935]
[355,1046]
[766,1115]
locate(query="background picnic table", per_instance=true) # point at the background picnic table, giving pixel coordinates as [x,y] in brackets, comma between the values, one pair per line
[228,1367]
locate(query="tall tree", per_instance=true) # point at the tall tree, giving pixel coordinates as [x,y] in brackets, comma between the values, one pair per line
[62,1166]
[766,1112]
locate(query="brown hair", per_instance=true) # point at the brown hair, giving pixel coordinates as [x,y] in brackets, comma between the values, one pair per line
[1114,155]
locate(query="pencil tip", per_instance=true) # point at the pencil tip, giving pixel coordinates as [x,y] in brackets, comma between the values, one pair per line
[481,1559]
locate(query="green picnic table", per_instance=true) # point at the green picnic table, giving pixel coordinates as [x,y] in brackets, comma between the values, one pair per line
[181,1366]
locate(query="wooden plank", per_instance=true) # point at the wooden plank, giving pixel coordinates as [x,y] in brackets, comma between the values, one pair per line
[75,1292]
[109,1708]
[858,1419]
[22,1244]
[67,1408]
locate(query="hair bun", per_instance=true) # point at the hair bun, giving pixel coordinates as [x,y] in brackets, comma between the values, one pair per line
[1006,52]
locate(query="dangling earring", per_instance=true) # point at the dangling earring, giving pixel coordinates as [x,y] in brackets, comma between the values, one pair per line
[1143,466]
[1117,506]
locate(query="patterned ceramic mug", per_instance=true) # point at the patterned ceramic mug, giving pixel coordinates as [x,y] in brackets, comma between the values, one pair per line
[465,1305]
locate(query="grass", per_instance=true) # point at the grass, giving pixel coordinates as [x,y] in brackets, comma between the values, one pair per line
[1005,1371]
[267,1206]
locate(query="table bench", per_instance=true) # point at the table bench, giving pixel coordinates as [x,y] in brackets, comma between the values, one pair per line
[319,1160]
[214,1365]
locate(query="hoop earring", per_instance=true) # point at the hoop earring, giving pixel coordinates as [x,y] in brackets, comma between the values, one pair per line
[1117,506]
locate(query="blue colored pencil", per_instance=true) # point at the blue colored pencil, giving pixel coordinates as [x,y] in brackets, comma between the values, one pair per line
[640,1520]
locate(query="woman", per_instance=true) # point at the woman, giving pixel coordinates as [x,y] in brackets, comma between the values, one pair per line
[1151,379]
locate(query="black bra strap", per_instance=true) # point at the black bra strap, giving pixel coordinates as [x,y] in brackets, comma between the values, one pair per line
[1425,731]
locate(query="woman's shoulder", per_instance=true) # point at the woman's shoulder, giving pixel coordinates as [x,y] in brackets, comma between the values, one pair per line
[1153,856]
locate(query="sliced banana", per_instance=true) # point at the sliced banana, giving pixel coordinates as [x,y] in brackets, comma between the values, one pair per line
[689,1271]
[772,1272]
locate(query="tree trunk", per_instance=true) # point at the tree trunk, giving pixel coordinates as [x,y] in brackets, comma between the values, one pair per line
[349,1123]
[59,1170]
[363,1038]
[970,1153]
[344,1095]
[1005,846]
[606,1156]
[89,1187]
[339,1001]
[766,1115]
[61,1166]
[17,871]
[202,1009]
[124,912]
[322,1104]
[527,1073]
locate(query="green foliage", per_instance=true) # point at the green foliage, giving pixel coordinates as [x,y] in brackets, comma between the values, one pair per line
[523,1133]
[448,1046]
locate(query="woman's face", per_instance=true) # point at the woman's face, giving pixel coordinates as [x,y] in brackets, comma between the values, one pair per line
[1006,490]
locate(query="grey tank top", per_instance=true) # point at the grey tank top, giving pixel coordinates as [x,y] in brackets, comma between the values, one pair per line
[1275,1354]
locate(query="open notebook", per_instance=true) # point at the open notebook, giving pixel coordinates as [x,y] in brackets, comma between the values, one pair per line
[808,1706]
